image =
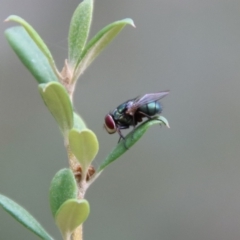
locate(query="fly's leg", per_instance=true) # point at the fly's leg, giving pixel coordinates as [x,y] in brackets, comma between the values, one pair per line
[150,117]
[122,137]
[134,126]
[144,115]
[147,116]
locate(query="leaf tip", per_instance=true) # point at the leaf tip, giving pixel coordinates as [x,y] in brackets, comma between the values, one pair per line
[164,121]
[133,24]
[42,87]
[9,18]
[6,20]
[130,22]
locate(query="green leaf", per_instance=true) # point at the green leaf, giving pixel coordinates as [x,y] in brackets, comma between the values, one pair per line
[71,215]
[98,43]
[30,54]
[24,217]
[78,124]
[79,30]
[35,37]
[131,139]
[57,100]
[84,145]
[63,187]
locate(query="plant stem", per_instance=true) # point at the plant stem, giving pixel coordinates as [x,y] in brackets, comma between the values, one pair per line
[77,234]
[71,158]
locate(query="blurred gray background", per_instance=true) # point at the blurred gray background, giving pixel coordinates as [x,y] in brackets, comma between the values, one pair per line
[182,183]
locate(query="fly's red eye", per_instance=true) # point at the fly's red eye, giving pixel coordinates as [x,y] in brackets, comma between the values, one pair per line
[110,125]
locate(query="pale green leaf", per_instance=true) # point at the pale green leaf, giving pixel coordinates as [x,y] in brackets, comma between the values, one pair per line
[63,187]
[131,139]
[35,37]
[24,217]
[30,54]
[84,145]
[57,100]
[71,214]
[79,30]
[98,43]
[78,122]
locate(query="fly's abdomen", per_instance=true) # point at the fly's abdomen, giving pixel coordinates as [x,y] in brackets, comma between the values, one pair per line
[151,108]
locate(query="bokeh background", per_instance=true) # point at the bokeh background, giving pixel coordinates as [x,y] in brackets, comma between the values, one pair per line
[182,183]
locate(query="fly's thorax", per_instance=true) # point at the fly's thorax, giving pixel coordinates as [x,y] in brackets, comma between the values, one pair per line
[119,111]
[125,120]
[120,116]
[122,108]
[151,108]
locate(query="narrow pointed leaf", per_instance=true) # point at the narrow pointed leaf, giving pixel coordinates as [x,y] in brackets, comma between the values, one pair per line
[57,100]
[24,217]
[35,37]
[63,187]
[30,54]
[71,215]
[84,145]
[98,43]
[131,139]
[79,30]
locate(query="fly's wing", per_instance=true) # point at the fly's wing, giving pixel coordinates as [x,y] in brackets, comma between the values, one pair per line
[142,100]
